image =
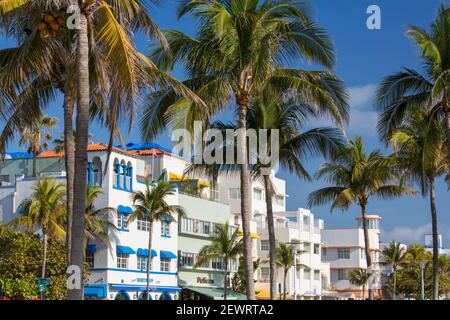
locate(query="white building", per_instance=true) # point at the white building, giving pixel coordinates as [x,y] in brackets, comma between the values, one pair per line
[308,275]
[429,245]
[343,248]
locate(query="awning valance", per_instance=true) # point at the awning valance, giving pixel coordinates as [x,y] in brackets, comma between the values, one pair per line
[167,255]
[217,293]
[91,248]
[124,250]
[124,209]
[144,252]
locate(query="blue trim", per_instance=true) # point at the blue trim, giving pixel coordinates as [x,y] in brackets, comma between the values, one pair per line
[132,287]
[129,270]
[125,250]
[124,210]
[124,169]
[95,290]
[165,236]
[91,248]
[130,169]
[89,173]
[127,296]
[167,254]
[144,252]
[167,295]
[123,230]
[121,189]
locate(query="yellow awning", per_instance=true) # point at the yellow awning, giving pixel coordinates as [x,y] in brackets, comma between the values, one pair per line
[252,235]
[264,294]
[174,176]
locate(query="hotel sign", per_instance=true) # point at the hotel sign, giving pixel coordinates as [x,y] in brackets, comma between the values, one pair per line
[204,280]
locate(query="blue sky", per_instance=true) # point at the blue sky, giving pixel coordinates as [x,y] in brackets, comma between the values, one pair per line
[364,57]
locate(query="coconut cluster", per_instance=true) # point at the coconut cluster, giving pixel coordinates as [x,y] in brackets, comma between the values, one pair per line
[50,25]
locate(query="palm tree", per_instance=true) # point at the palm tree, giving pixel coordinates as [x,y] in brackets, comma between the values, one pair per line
[43,210]
[36,136]
[359,277]
[408,88]
[357,177]
[241,47]
[97,224]
[420,144]
[110,23]
[395,255]
[288,117]
[151,205]
[285,259]
[225,246]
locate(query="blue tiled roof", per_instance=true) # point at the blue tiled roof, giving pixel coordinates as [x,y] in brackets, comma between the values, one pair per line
[19,155]
[144,146]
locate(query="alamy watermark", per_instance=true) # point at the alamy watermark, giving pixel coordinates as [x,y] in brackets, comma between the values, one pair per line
[214,146]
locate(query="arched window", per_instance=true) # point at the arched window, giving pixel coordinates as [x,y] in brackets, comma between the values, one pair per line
[129,166]
[116,162]
[165,296]
[122,295]
[116,180]
[122,166]
[97,172]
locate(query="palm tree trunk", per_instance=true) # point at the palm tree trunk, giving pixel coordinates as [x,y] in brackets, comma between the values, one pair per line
[69,158]
[395,283]
[284,284]
[447,124]
[34,165]
[272,240]
[149,260]
[364,292]
[44,255]
[435,293]
[367,247]
[225,277]
[81,141]
[245,201]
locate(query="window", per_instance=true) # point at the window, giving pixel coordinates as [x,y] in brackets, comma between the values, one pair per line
[316,275]
[265,273]
[264,245]
[307,247]
[165,264]
[279,201]
[143,224]
[217,264]
[90,259]
[234,193]
[122,221]
[142,263]
[316,248]
[258,194]
[122,260]
[187,224]
[342,274]
[187,259]
[305,223]
[343,253]
[324,252]
[165,228]
[204,227]
[4,178]
[307,274]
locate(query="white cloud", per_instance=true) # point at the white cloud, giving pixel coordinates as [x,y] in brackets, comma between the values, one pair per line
[406,234]
[415,235]
[361,96]
[363,118]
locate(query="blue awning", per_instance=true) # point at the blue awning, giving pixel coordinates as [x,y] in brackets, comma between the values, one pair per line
[91,248]
[166,218]
[167,254]
[97,291]
[125,250]
[144,252]
[124,209]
